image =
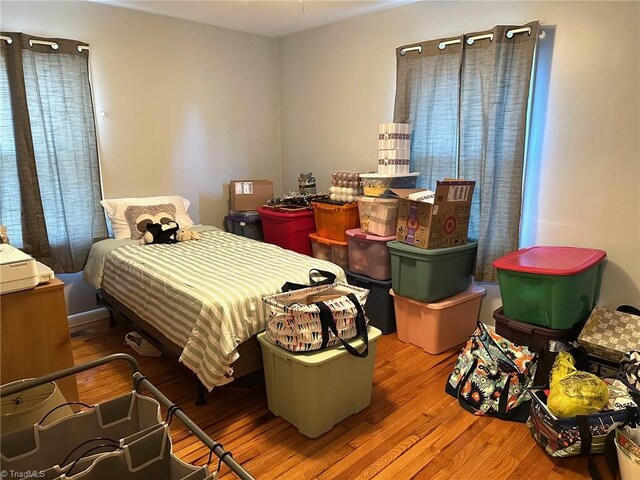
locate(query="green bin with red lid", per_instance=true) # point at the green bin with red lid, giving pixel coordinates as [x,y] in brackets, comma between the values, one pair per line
[555,287]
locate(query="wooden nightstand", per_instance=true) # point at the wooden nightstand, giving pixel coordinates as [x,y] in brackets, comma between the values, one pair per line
[34,336]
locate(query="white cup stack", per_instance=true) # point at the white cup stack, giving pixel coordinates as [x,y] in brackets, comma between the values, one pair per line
[394,144]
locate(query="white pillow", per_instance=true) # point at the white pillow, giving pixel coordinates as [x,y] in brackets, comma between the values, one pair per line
[115,208]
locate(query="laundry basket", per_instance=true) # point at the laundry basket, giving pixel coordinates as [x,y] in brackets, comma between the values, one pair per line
[29,406]
[120,439]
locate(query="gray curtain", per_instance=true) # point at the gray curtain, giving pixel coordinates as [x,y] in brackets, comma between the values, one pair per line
[50,177]
[468,107]
[427,85]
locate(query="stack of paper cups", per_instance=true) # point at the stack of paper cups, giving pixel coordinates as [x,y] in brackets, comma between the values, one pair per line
[394,144]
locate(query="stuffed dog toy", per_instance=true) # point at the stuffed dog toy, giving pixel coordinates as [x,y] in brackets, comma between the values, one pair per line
[185,234]
[160,233]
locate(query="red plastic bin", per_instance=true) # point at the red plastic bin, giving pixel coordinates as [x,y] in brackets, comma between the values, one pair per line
[288,230]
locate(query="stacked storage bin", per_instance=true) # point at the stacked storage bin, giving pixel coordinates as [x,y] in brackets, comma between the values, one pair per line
[298,384]
[329,242]
[370,268]
[288,229]
[246,224]
[436,306]
[333,218]
[394,147]
[547,293]
[369,259]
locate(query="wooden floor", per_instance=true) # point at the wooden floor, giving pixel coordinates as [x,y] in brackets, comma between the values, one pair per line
[412,429]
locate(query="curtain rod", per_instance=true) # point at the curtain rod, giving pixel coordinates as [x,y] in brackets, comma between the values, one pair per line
[470,41]
[33,42]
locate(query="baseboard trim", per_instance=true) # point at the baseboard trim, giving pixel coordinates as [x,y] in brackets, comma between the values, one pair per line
[81,320]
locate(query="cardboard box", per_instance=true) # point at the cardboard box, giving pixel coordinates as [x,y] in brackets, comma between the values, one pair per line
[443,223]
[610,334]
[247,195]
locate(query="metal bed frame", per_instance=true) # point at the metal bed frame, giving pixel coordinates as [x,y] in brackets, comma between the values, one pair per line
[250,355]
[138,380]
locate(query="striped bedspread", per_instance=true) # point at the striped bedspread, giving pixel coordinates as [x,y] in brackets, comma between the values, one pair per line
[205,294]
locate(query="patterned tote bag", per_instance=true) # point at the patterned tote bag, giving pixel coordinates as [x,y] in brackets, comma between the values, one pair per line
[492,375]
[306,318]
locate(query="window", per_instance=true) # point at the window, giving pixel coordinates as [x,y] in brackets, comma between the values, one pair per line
[50,189]
[467,100]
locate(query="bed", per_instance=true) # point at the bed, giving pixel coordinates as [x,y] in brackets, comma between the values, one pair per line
[201,299]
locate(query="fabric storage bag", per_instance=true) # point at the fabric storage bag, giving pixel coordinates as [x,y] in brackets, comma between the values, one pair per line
[83,455]
[492,375]
[39,447]
[579,435]
[147,457]
[303,319]
[584,434]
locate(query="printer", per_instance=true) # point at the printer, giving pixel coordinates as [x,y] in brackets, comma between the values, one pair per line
[19,271]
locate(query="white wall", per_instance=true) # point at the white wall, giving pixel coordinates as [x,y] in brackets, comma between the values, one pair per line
[188,106]
[338,82]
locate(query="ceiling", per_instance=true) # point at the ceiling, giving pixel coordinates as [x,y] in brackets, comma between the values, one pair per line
[268,18]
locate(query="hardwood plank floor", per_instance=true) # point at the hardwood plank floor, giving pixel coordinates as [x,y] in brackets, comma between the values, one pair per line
[411,430]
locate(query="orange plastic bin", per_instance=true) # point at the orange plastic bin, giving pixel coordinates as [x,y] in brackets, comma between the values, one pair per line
[439,326]
[333,220]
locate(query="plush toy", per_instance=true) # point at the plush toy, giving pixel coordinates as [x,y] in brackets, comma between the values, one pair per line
[4,238]
[160,233]
[185,234]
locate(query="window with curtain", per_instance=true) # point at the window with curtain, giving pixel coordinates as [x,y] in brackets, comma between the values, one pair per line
[467,100]
[49,171]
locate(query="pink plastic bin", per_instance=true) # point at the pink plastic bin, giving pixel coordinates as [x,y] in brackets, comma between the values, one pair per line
[369,254]
[439,326]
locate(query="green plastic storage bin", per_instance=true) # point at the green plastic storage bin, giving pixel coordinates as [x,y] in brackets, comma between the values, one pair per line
[555,287]
[315,390]
[431,275]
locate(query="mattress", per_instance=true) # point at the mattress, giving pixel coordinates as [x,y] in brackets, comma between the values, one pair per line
[203,294]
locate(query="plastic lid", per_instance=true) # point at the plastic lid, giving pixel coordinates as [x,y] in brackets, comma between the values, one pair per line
[367,280]
[529,328]
[388,175]
[406,248]
[326,241]
[318,357]
[380,200]
[270,212]
[242,219]
[470,293]
[551,260]
[241,213]
[357,233]
[331,205]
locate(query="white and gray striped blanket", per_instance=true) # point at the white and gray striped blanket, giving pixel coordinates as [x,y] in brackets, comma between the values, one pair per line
[205,294]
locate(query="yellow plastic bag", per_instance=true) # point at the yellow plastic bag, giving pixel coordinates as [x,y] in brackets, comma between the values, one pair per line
[574,392]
